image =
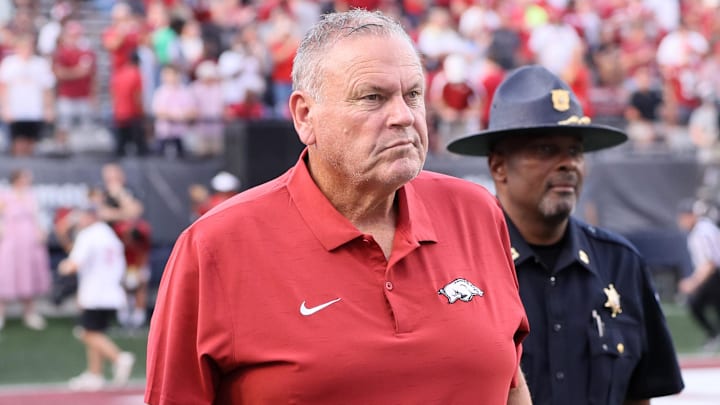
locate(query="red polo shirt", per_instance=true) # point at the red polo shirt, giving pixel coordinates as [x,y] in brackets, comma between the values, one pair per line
[274,297]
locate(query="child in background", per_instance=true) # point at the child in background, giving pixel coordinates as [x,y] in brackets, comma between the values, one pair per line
[208,95]
[174,109]
[98,259]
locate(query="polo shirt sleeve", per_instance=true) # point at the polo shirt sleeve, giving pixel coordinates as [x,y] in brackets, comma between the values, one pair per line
[520,335]
[657,373]
[524,325]
[191,328]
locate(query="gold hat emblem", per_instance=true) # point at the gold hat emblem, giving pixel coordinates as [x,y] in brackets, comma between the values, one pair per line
[613,300]
[575,120]
[560,99]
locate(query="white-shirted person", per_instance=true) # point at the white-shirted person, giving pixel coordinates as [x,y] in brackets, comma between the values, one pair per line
[97,256]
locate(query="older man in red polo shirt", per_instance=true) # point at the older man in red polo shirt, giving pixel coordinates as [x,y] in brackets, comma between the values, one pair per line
[356,277]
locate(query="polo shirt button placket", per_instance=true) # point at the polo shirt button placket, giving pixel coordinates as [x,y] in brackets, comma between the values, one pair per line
[388,285]
[553,281]
[559,376]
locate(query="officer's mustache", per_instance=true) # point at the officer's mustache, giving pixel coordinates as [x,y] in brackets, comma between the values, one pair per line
[566,179]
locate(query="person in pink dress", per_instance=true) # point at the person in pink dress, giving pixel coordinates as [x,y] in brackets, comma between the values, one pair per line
[24,258]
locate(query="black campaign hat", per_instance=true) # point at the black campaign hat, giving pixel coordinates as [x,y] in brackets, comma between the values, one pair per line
[532,100]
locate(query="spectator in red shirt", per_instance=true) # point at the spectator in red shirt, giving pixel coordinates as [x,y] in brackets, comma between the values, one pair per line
[283,44]
[122,37]
[492,74]
[74,65]
[578,76]
[128,113]
[455,103]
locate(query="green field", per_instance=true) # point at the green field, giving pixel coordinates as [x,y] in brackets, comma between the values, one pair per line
[54,355]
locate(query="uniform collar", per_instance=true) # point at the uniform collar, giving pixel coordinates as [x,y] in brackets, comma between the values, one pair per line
[332,229]
[576,249]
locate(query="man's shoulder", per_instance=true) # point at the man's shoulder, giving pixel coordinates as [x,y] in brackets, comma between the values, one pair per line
[602,236]
[258,200]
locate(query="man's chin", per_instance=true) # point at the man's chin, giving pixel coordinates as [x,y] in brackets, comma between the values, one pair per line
[558,212]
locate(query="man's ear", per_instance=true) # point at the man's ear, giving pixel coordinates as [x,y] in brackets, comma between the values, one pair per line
[496,164]
[300,110]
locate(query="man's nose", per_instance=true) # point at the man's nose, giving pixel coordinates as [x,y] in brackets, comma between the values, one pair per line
[400,112]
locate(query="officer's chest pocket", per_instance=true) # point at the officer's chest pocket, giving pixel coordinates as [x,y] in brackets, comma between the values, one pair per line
[613,357]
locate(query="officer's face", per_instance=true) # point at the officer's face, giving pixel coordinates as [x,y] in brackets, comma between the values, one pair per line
[538,177]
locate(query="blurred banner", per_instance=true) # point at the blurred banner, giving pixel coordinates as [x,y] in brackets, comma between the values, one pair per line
[161,184]
[633,195]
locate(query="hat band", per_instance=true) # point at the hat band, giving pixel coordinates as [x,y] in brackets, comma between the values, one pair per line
[575,120]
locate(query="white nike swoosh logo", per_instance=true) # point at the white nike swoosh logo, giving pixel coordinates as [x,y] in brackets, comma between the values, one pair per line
[309,311]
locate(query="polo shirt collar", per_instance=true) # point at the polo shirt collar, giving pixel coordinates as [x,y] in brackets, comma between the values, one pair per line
[576,251]
[332,229]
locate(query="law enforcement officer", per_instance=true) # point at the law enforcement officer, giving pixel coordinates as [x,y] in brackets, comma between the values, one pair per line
[598,334]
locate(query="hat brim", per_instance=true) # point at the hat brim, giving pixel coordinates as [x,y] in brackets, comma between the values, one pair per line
[594,137]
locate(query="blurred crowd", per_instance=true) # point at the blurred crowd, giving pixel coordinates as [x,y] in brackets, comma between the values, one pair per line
[180,70]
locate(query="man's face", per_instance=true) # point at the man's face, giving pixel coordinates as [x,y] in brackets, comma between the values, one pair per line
[686,221]
[368,128]
[539,176]
[113,175]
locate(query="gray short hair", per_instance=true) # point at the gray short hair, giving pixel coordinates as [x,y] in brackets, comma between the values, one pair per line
[332,28]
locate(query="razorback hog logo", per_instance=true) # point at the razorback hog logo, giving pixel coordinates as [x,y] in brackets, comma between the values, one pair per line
[460,289]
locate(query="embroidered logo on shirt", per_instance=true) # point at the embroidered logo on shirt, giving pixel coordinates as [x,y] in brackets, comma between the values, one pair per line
[460,289]
[305,311]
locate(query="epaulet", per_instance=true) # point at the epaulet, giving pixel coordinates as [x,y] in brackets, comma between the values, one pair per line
[604,235]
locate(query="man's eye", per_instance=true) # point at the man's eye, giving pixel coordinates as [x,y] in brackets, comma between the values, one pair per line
[546,150]
[576,151]
[414,94]
[372,97]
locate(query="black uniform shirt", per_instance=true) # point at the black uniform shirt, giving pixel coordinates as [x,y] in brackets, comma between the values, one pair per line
[597,333]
